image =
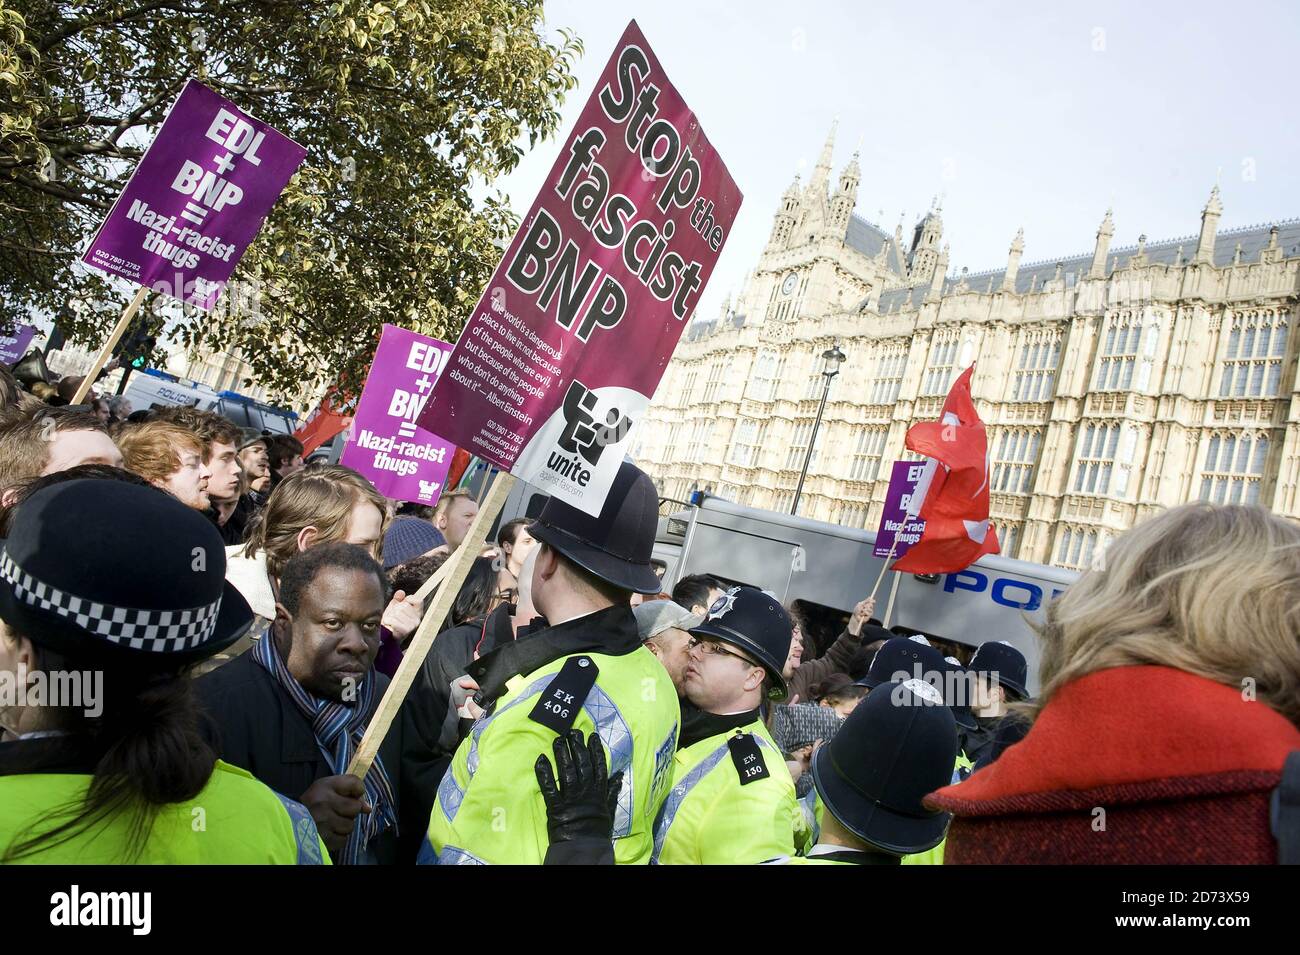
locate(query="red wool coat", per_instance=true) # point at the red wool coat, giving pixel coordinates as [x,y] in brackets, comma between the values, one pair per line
[1182,766]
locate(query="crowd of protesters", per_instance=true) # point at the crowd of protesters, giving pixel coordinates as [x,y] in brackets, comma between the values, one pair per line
[246,611]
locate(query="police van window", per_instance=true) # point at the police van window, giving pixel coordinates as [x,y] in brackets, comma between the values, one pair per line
[236,413]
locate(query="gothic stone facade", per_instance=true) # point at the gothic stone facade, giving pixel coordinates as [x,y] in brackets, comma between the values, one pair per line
[1112,384]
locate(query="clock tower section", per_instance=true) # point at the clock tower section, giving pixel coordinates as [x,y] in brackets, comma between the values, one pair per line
[809,267]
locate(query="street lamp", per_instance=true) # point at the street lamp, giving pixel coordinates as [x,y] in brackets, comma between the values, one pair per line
[833,358]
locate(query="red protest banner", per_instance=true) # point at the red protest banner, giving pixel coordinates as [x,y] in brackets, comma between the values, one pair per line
[571,337]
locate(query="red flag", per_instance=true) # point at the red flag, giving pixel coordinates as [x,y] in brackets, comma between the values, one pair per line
[952,496]
[459,462]
[333,416]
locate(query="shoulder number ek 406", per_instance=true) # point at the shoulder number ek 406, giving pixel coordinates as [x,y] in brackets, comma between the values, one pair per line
[558,706]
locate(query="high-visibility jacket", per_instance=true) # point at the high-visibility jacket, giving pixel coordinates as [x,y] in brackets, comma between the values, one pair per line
[489,807]
[235,819]
[808,824]
[713,816]
[935,856]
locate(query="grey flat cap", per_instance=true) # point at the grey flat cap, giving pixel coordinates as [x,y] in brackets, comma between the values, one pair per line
[653,617]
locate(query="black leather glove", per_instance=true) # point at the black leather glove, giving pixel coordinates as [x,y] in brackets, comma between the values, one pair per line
[580,808]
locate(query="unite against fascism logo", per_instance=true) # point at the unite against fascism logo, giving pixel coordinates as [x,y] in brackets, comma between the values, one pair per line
[583,439]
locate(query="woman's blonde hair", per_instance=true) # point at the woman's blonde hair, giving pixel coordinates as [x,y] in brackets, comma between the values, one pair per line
[320,496]
[1213,591]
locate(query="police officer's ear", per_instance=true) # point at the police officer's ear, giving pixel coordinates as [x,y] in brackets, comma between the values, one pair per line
[754,678]
[548,561]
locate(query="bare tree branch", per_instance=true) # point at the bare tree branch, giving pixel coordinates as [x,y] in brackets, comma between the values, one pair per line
[73,27]
[61,192]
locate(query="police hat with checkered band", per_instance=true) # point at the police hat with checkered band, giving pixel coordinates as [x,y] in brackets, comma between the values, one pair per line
[118,571]
[753,621]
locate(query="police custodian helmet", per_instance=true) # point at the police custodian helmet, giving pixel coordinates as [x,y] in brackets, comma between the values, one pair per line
[753,621]
[895,748]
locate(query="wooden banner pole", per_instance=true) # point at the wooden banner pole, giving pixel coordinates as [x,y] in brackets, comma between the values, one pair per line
[437,577]
[884,567]
[457,569]
[889,607]
[107,351]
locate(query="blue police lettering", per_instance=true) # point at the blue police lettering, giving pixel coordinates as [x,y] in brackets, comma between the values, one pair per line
[1002,584]
[978,583]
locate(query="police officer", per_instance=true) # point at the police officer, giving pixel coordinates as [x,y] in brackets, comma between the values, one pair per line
[587,669]
[897,746]
[1000,673]
[913,658]
[732,799]
[112,589]
[869,782]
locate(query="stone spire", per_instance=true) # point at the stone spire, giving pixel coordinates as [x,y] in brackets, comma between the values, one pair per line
[821,176]
[1013,261]
[851,175]
[784,221]
[926,238]
[846,196]
[1104,232]
[937,277]
[1209,227]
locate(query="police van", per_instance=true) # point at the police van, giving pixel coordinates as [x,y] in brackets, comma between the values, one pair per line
[157,389]
[824,570]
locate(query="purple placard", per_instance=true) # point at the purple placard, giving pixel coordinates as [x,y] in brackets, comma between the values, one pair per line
[196,199]
[895,529]
[401,459]
[557,363]
[14,346]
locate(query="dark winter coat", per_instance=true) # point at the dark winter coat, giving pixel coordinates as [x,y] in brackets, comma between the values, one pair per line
[253,724]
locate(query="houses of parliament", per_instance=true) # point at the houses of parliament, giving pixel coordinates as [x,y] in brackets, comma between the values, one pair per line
[1112,384]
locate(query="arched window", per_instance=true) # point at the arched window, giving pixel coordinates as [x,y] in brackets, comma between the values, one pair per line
[1096,458]
[1015,460]
[1119,352]
[1234,468]
[1253,354]
[889,373]
[939,369]
[868,448]
[1063,552]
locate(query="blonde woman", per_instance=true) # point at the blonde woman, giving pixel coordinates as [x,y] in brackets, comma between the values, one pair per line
[319,504]
[1170,700]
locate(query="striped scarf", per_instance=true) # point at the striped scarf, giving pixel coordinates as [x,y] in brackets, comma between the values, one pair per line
[338,729]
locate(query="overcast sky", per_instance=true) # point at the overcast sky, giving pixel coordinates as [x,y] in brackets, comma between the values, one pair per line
[1019,114]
